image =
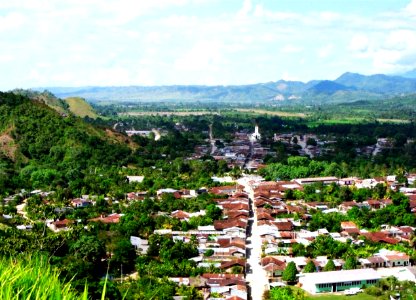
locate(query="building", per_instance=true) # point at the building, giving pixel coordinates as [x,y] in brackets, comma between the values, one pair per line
[255,136]
[337,281]
[324,180]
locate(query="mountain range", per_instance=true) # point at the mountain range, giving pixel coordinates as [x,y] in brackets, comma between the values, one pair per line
[348,87]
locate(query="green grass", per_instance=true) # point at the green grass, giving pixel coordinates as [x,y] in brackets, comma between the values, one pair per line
[33,278]
[80,107]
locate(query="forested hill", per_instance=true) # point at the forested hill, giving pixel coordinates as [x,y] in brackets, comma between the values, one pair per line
[40,148]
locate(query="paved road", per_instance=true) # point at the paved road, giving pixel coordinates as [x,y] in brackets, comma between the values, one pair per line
[302,143]
[257,277]
[212,140]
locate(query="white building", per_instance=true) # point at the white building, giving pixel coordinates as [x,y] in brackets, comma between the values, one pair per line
[255,136]
[337,281]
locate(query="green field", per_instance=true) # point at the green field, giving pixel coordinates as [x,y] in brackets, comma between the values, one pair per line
[272,113]
[361,296]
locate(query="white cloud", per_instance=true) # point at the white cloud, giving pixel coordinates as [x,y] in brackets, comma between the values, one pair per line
[359,43]
[204,56]
[411,8]
[325,51]
[245,9]
[11,21]
[291,49]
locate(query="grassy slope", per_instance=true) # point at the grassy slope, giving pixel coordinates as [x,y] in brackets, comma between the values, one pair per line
[79,107]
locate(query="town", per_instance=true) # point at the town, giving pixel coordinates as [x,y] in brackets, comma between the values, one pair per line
[246,235]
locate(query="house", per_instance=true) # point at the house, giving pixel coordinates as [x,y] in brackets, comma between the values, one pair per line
[379,237]
[181,215]
[233,265]
[136,196]
[395,258]
[80,203]
[347,181]
[227,190]
[284,226]
[60,225]
[273,266]
[227,241]
[373,204]
[321,261]
[349,228]
[224,224]
[337,281]
[113,218]
[138,179]
[386,259]
[348,225]
[323,180]
[160,192]
[347,205]
[317,205]
[140,244]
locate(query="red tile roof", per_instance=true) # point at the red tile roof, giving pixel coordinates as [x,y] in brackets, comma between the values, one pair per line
[232,263]
[380,237]
[223,224]
[114,218]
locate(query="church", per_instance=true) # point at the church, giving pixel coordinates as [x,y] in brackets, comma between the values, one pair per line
[255,136]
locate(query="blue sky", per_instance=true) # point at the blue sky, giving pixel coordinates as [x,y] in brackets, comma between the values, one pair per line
[164,42]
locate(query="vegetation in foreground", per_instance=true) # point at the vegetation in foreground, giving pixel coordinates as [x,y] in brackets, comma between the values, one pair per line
[33,278]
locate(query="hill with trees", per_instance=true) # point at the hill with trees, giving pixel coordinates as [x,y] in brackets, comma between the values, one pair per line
[40,147]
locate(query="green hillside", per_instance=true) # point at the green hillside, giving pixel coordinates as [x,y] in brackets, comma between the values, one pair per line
[80,107]
[40,148]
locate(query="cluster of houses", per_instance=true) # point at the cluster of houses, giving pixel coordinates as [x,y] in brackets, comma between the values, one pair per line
[280,224]
[221,245]
[279,233]
[245,147]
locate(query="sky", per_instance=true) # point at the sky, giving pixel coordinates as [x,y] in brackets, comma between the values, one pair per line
[45,43]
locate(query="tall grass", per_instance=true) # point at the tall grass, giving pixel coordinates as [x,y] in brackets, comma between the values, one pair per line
[32,278]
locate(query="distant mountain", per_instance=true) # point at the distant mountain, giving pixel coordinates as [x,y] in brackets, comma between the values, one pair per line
[348,87]
[379,83]
[409,74]
[329,87]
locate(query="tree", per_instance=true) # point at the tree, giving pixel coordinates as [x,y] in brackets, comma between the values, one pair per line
[350,263]
[209,252]
[310,267]
[311,142]
[190,293]
[213,212]
[289,274]
[89,249]
[330,266]
[298,250]
[123,256]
